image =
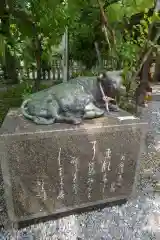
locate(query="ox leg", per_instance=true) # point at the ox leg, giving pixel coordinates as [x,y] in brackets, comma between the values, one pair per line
[113,107]
[43,121]
[61,118]
[47,114]
[68,119]
[91,111]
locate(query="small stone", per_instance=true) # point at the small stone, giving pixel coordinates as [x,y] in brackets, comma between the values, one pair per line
[148,189]
[148,173]
[1,209]
[157,187]
[156,176]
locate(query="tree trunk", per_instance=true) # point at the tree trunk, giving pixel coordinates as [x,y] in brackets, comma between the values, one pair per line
[38,55]
[156,76]
[9,65]
[9,68]
[144,86]
[145,73]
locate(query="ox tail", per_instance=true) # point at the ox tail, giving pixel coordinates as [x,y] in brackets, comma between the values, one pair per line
[36,119]
[24,111]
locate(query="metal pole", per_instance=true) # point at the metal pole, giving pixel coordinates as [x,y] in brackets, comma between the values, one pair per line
[157,5]
[65,57]
[65,52]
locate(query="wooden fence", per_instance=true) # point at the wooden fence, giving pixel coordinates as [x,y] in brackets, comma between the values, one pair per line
[54,73]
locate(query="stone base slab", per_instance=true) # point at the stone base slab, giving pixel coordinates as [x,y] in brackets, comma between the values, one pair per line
[50,170]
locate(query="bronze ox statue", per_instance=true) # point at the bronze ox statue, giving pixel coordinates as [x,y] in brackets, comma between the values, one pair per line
[78,99]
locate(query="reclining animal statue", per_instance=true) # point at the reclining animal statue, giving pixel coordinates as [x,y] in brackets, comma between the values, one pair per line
[71,102]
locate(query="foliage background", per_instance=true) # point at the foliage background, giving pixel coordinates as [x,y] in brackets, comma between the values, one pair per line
[31,33]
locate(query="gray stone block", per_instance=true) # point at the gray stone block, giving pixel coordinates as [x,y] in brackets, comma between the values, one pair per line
[54,169]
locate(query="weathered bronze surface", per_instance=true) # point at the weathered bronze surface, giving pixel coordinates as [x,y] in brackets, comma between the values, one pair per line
[73,101]
[54,169]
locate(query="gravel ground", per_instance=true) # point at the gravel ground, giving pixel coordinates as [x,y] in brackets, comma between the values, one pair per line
[138,219]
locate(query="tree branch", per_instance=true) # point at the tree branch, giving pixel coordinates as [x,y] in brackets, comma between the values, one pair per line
[146,56]
[110,2]
[105,23]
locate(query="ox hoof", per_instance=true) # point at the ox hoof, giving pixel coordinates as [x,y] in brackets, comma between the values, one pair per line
[77,121]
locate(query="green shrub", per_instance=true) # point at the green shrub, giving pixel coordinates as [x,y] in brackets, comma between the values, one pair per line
[84,73]
[13,97]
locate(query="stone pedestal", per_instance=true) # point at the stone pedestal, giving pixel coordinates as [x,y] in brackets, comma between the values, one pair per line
[48,170]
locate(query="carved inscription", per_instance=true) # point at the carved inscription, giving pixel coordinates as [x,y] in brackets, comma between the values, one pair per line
[61,176]
[74,162]
[120,171]
[113,187]
[106,167]
[41,190]
[91,169]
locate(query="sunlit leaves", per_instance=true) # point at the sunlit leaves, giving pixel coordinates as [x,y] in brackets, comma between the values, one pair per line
[127,8]
[49,18]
